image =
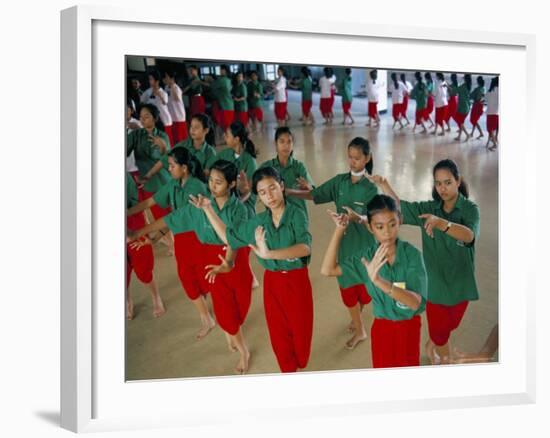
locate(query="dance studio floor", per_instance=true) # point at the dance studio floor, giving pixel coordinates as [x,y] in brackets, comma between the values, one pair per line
[166,347]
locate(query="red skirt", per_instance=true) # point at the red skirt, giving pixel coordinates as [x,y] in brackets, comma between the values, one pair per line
[256,114]
[216,113]
[419,116]
[141,260]
[231,292]
[179,132]
[460,118]
[198,105]
[306,107]
[169,133]
[288,304]
[405,106]
[453,105]
[477,111]
[346,106]
[242,116]
[226,118]
[395,343]
[397,111]
[430,105]
[492,122]
[325,106]
[280,110]
[373,109]
[442,320]
[355,294]
[441,115]
[188,251]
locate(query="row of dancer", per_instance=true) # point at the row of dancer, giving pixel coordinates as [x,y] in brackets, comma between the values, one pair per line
[372,264]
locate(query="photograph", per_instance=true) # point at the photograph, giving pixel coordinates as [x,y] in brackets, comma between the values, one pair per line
[286,218]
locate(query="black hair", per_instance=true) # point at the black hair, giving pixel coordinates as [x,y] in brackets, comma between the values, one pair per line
[170,74]
[265,172]
[348,71]
[229,170]
[403,78]
[238,130]
[454,79]
[451,166]
[373,75]
[154,74]
[306,72]
[193,67]
[428,77]
[468,81]
[363,144]
[494,83]
[418,77]
[224,67]
[381,203]
[328,72]
[283,73]
[440,76]
[155,113]
[480,81]
[183,157]
[394,79]
[252,72]
[206,124]
[283,130]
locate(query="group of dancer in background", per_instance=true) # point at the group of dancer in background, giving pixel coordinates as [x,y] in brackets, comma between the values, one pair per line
[205,202]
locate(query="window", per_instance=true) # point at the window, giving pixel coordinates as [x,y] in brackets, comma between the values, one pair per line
[270,71]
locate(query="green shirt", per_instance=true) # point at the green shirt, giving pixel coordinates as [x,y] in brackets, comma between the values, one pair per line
[292,230]
[463,99]
[430,87]
[175,195]
[420,94]
[195,87]
[244,162]
[407,268]
[222,91]
[253,100]
[293,170]
[306,86]
[452,89]
[240,90]
[478,94]
[344,193]
[191,218]
[131,191]
[450,263]
[346,89]
[147,155]
[205,155]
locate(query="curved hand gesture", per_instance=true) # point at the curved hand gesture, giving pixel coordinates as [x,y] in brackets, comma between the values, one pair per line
[158,142]
[303,184]
[214,270]
[140,243]
[353,215]
[377,179]
[373,266]
[200,201]
[260,248]
[341,220]
[430,223]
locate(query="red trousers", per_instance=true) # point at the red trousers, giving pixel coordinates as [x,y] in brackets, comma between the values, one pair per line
[397,110]
[306,107]
[280,110]
[170,134]
[430,105]
[226,118]
[355,294]
[459,118]
[256,113]
[242,116]
[492,122]
[346,106]
[141,260]
[442,320]
[288,305]
[405,105]
[157,211]
[453,105]
[179,132]
[373,110]
[188,250]
[419,116]
[325,106]
[231,292]
[441,115]
[395,343]
[477,111]
[197,105]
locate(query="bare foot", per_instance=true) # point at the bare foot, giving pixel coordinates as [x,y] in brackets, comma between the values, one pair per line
[158,308]
[430,351]
[230,344]
[441,133]
[129,310]
[456,139]
[242,364]
[206,328]
[255,282]
[480,136]
[358,337]
[351,327]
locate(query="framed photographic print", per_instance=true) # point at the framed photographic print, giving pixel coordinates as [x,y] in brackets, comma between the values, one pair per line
[309,312]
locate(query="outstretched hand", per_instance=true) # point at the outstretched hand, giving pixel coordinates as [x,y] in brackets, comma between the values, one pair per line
[200,201]
[341,220]
[375,264]
[260,249]
[430,223]
[214,270]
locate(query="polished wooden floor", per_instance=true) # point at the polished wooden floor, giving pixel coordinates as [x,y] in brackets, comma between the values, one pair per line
[166,348]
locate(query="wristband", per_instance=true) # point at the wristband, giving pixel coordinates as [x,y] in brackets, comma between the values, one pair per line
[448,227]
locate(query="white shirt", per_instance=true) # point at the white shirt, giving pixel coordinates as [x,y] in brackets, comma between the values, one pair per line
[441,94]
[491,97]
[280,89]
[409,86]
[175,106]
[149,97]
[130,159]
[398,94]
[372,90]
[325,84]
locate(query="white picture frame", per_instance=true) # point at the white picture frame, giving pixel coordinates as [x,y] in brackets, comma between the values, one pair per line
[93,398]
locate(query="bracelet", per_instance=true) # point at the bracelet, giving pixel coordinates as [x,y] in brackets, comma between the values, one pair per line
[448,227]
[160,231]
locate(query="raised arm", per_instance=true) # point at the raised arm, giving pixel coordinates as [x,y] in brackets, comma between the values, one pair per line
[143,205]
[204,203]
[330,266]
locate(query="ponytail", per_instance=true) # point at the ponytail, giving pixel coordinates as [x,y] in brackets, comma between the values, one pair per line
[238,130]
[451,166]
[183,157]
[394,79]
[204,120]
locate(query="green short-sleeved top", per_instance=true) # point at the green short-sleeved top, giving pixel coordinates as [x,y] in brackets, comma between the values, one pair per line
[420,94]
[175,195]
[306,86]
[430,88]
[131,191]
[195,87]
[408,268]
[292,230]
[463,99]
[450,263]
[240,90]
[244,162]
[253,100]
[477,94]
[346,90]
[344,193]
[289,173]
[452,89]
[191,218]
[222,91]
[205,155]
[147,155]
